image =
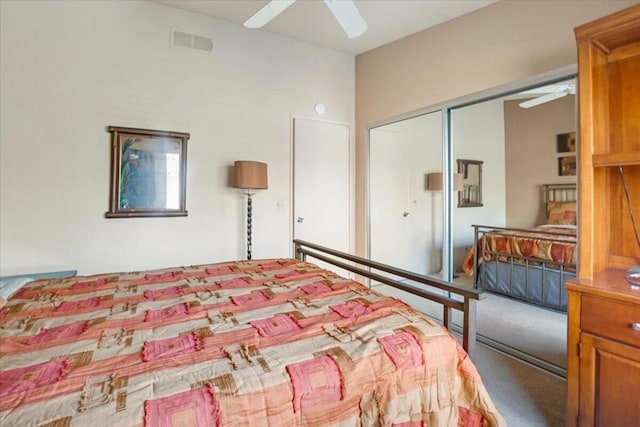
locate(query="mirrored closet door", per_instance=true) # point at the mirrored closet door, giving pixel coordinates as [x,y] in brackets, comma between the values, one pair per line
[405,213]
[499,150]
[515,138]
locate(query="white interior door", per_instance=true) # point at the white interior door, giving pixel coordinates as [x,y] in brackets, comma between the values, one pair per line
[322,183]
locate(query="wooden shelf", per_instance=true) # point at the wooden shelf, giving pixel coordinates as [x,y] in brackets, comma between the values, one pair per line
[602,304]
[616,159]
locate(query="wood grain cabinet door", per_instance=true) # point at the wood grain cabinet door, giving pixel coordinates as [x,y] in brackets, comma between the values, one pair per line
[609,383]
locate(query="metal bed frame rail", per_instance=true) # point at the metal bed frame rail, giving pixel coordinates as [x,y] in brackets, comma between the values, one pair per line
[512,259]
[469,295]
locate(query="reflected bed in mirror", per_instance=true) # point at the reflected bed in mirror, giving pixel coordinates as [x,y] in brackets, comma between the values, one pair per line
[148,173]
[471,194]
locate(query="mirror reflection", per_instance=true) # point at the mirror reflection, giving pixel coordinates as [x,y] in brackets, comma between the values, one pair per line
[405,226]
[148,173]
[471,194]
[408,228]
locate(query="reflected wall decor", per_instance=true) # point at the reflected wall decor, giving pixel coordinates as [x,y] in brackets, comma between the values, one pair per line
[148,173]
[566,142]
[567,165]
[471,194]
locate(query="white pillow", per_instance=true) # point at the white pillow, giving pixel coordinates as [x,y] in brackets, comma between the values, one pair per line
[9,287]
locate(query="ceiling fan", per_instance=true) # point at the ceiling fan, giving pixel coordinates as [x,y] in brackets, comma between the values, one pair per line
[569,89]
[345,12]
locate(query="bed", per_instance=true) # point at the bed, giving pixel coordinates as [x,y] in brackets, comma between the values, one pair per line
[530,264]
[263,343]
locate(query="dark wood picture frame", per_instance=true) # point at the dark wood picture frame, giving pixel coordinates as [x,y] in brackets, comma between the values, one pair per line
[148,173]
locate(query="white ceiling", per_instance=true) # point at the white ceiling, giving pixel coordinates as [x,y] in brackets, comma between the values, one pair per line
[311,20]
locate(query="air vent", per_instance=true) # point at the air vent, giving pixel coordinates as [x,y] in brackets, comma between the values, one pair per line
[192,41]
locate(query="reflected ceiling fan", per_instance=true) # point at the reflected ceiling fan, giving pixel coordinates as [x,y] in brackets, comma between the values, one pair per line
[345,12]
[561,91]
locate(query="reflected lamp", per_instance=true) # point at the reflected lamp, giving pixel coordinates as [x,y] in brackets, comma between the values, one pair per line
[434,181]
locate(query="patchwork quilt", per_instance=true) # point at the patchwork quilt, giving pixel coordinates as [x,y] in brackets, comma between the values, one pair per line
[273,342]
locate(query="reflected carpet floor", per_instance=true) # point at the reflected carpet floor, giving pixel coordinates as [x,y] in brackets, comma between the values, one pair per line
[526,396]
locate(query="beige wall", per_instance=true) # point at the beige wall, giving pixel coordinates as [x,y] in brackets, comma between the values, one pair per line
[495,45]
[71,68]
[532,159]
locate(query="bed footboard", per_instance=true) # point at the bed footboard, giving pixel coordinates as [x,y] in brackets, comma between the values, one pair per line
[517,273]
[469,296]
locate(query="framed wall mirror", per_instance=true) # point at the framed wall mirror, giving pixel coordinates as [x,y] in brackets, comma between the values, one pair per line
[471,194]
[148,173]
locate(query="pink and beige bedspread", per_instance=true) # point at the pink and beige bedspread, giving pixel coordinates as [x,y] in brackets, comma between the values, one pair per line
[547,244]
[249,343]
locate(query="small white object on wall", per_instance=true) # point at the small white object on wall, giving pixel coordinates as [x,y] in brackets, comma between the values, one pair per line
[320,108]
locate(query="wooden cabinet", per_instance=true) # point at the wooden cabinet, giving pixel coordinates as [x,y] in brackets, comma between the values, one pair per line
[604,352]
[603,369]
[610,373]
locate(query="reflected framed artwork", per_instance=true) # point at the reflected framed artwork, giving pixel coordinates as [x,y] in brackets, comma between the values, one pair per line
[148,173]
[567,165]
[566,142]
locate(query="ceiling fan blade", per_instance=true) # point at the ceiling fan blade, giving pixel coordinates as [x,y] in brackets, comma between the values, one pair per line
[544,98]
[348,16]
[267,13]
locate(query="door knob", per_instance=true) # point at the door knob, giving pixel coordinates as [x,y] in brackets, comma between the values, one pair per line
[300,220]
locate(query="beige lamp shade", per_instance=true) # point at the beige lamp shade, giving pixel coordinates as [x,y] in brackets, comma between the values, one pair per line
[434,181]
[250,175]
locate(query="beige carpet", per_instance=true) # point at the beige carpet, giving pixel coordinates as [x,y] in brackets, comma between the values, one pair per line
[536,331]
[525,395]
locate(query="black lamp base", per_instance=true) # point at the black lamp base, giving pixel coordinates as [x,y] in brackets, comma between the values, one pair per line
[249,213]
